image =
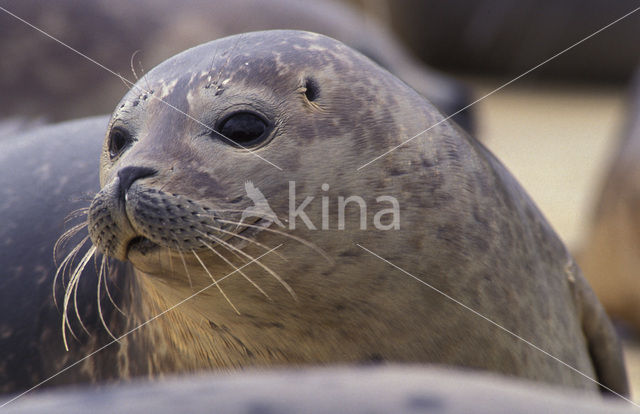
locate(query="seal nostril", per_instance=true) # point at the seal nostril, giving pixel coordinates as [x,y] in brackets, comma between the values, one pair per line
[128,175]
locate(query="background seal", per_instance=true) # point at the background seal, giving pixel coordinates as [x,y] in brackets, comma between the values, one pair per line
[45,173]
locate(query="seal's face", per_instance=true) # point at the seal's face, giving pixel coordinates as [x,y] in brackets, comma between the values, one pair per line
[258,107]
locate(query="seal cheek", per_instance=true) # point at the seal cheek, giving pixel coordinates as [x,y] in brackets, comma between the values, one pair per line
[109,228]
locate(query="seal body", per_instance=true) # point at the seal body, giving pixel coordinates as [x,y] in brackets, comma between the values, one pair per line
[45,174]
[301,116]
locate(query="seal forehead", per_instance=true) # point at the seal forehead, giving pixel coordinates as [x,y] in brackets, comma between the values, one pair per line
[274,60]
[263,67]
[253,56]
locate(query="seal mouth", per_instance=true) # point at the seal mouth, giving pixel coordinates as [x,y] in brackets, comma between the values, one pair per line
[141,245]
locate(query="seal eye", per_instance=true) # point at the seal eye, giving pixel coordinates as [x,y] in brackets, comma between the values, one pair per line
[311,89]
[245,129]
[118,140]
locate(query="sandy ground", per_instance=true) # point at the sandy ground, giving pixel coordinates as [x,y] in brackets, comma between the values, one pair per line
[557,140]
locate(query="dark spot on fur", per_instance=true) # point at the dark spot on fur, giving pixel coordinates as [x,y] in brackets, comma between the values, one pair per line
[349,253]
[261,407]
[423,402]
[373,359]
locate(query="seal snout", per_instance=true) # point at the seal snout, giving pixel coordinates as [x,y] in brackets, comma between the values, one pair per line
[128,175]
[110,228]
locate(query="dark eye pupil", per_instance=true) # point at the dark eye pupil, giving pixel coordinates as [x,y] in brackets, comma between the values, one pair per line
[117,141]
[243,128]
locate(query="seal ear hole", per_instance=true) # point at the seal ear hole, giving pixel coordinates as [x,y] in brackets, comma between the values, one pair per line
[119,139]
[312,91]
[244,128]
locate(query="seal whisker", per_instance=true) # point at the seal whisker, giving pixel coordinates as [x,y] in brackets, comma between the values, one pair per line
[76,213]
[133,69]
[67,268]
[271,272]
[250,241]
[73,285]
[282,233]
[73,282]
[213,59]
[76,307]
[125,82]
[144,75]
[64,265]
[233,266]
[62,240]
[231,249]
[61,269]
[171,268]
[215,281]
[106,285]
[184,263]
[101,278]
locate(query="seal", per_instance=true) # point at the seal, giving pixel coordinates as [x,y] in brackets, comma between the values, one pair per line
[46,172]
[610,257]
[301,117]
